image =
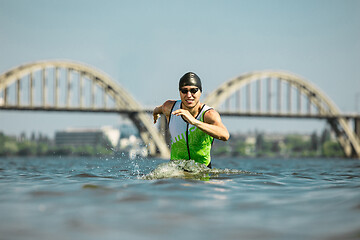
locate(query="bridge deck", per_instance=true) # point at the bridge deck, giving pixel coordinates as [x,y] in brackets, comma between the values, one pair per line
[222,113]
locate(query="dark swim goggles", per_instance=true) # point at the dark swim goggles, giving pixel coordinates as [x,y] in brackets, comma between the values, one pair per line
[191,90]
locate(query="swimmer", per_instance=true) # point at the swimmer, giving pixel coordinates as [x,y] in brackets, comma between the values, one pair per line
[193,125]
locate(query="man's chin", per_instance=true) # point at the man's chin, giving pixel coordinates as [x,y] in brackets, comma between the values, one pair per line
[189,104]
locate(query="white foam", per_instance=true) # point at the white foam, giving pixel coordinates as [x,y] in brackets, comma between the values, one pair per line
[187,169]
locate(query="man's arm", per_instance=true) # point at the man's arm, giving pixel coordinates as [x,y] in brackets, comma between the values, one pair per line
[163,109]
[212,124]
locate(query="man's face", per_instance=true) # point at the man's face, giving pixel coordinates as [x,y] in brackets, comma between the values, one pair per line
[190,96]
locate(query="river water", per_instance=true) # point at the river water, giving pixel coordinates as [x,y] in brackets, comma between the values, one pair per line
[111,198]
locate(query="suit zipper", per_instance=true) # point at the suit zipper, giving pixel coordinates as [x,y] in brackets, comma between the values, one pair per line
[187,140]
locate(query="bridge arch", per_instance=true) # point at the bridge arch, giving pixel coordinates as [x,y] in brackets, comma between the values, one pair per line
[74,77]
[284,94]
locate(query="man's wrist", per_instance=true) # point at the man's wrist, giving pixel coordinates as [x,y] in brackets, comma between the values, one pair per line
[197,123]
[157,110]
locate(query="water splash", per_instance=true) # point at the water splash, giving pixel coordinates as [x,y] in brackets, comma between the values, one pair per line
[188,169]
[136,170]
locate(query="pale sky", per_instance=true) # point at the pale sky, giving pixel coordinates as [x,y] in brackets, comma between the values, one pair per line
[146,46]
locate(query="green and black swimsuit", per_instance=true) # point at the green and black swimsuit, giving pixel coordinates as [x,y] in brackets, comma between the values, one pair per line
[187,141]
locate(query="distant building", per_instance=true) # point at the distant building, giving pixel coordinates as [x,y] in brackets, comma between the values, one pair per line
[80,137]
[124,139]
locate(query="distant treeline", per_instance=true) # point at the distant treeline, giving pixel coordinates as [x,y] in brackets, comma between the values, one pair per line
[289,145]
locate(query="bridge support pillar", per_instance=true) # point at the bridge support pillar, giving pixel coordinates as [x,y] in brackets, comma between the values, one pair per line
[357,127]
[164,129]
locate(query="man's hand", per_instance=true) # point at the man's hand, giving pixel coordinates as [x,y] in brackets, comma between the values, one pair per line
[212,124]
[156,117]
[186,115]
[156,113]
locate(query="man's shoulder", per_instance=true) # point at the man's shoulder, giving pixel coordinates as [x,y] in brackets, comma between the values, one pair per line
[211,114]
[168,105]
[209,109]
[170,101]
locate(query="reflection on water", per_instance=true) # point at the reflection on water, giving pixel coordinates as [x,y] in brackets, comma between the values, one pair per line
[110,198]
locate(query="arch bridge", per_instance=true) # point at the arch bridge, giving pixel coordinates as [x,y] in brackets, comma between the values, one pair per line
[285,95]
[71,86]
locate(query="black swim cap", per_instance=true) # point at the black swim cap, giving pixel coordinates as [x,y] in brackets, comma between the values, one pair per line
[190,79]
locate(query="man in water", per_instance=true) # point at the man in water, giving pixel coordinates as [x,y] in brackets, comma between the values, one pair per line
[192,124]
